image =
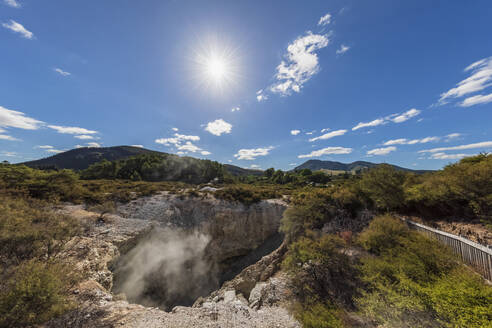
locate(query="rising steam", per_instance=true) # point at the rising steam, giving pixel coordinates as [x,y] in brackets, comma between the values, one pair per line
[165,269]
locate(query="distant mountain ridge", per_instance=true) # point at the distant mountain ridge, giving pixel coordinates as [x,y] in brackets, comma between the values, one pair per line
[81,158]
[316,165]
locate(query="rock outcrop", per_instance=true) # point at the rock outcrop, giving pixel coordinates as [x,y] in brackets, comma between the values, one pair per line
[254,298]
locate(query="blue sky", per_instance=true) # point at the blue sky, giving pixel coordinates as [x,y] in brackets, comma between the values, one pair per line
[252,83]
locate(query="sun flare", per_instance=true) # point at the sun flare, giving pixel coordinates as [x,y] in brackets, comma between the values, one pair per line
[216,69]
[216,66]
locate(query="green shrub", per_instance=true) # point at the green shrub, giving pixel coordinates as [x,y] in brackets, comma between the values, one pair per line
[36,293]
[384,186]
[461,299]
[320,271]
[383,233]
[319,315]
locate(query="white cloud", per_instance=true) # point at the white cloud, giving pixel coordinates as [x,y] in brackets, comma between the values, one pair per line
[254,166]
[71,130]
[324,20]
[18,28]
[84,137]
[343,49]
[381,151]
[45,147]
[404,141]
[9,154]
[15,119]
[61,72]
[452,136]
[261,96]
[292,164]
[295,132]
[395,118]
[205,153]
[300,64]
[218,127]
[480,79]
[448,156]
[138,146]
[12,3]
[376,122]
[405,116]
[483,144]
[329,135]
[175,129]
[54,151]
[325,130]
[7,137]
[327,151]
[401,141]
[182,142]
[251,154]
[93,144]
[475,100]
[235,109]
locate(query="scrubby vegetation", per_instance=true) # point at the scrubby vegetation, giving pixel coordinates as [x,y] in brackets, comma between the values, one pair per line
[416,282]
[404,280]
[34,285]
[397,278]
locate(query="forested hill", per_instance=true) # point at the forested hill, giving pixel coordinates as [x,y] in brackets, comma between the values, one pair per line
[81,158]
[316,165]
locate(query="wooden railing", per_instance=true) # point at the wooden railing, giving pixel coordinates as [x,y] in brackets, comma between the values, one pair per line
[473,254]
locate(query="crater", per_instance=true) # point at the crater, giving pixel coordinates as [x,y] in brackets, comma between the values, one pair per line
[175,266]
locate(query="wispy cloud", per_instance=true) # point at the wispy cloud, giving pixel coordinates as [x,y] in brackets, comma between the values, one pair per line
[176,140]
[18,28]
[12,3]
[251,154]
[324,20]
[375,122]
[235,109]
[480,78]
[205,153]
[8,138]
[448,156]
[395,118]
[61,72]
[483,145]
[475,100]
[327,151]
[404,141]
[399,118]
[71,130]
[261,95]
[16,119]
[381,151]
[329,135]
[93,144]
[84,137]
[343,49]
[218,127]
[295,132]
[138,146]
[300,64]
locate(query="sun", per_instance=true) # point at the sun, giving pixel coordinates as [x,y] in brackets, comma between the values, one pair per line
[216,69]
[216,66]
